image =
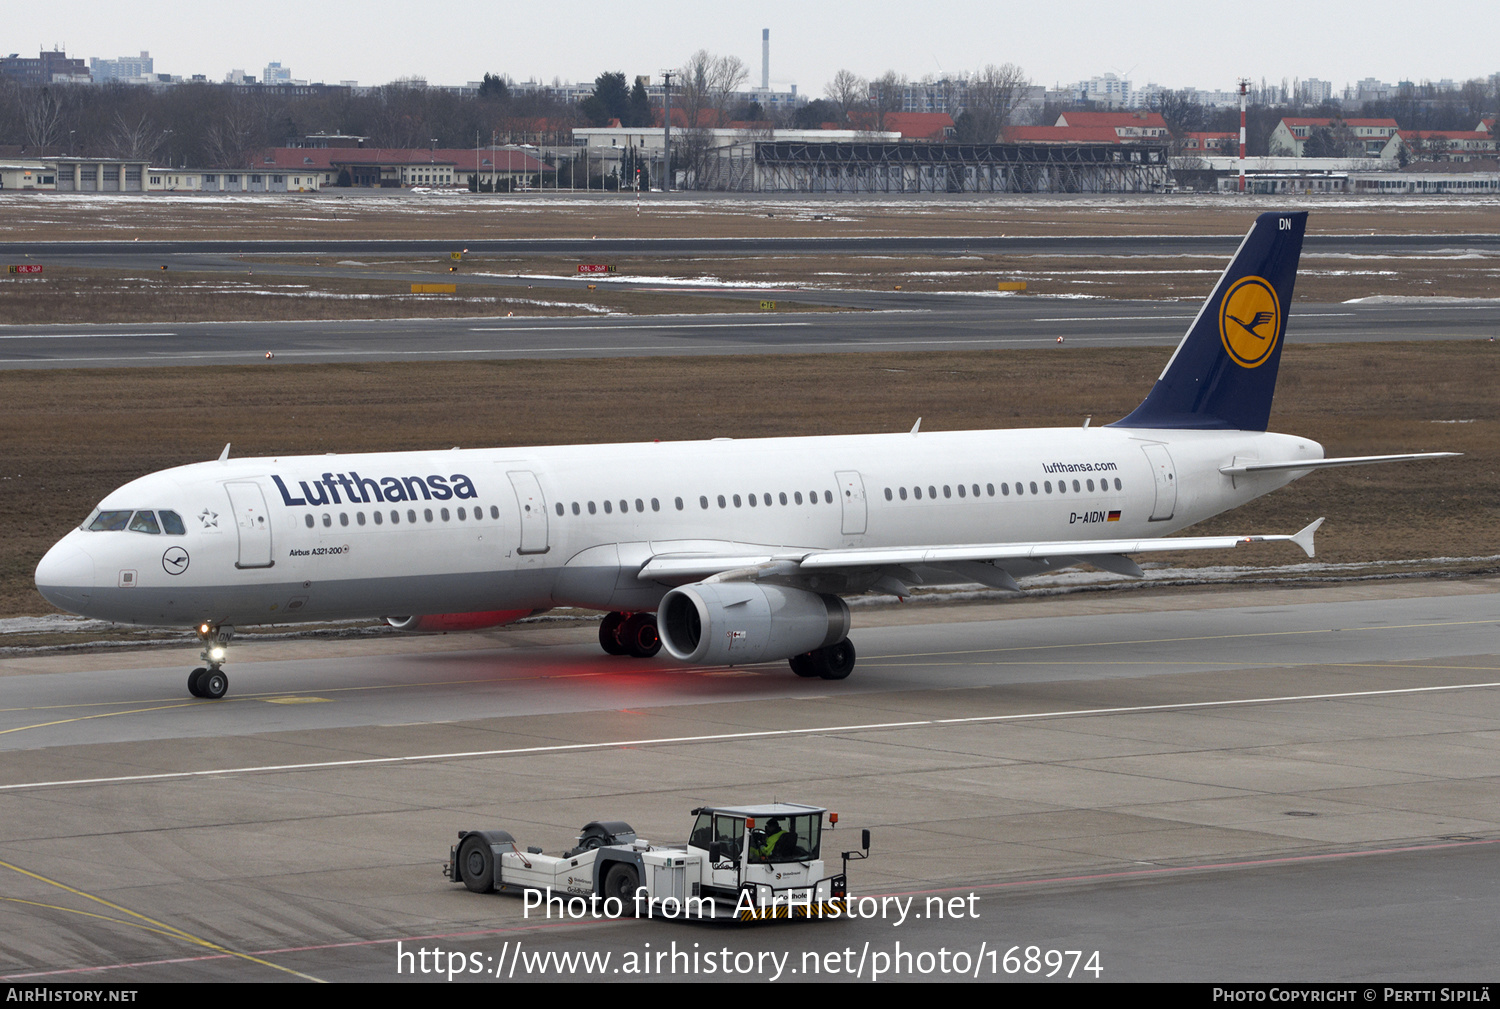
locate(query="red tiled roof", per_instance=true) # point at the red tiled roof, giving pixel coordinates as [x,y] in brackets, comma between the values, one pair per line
[1301,121]
[1113,119]
[1060,135]
[919,125]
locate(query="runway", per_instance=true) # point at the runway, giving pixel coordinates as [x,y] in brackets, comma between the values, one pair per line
[1287,783]
[890,321]
[1082,245]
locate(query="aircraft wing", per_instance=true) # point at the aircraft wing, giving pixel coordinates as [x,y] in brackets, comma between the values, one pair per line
[790,563]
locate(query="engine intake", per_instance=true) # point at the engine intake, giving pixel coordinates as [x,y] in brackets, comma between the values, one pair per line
[736,623]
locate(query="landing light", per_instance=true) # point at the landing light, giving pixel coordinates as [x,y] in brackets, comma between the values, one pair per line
[216,654]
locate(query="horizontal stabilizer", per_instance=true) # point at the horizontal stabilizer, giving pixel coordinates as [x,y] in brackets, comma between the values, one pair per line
[1239,469]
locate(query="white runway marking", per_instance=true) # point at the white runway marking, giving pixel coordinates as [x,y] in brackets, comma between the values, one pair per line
[729,736]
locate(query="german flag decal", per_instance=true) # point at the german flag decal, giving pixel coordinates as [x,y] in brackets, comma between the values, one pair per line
[1114,516]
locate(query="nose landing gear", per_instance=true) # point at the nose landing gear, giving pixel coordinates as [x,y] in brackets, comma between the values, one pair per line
[210,681]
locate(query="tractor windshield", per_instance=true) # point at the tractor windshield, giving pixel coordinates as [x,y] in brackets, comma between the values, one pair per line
[786,839]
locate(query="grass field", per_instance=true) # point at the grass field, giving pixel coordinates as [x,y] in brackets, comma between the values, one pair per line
[71,436]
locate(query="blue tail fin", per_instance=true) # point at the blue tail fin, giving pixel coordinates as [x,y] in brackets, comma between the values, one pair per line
[1223,375]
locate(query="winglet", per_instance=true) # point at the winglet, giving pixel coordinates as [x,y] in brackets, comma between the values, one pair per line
[1304,539]
[224,454]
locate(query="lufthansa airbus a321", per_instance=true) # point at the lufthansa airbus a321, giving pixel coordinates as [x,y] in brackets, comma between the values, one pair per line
[726,552]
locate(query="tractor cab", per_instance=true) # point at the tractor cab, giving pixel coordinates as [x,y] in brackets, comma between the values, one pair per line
[776,846]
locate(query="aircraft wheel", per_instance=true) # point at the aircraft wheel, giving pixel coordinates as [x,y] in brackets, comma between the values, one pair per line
[621,882]
[639,636]
[476,864]
[836,662]
[195,682]
[213,684]
[804,665]
[609,633]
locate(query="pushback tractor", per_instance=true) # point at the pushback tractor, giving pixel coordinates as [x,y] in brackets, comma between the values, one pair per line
[739,863]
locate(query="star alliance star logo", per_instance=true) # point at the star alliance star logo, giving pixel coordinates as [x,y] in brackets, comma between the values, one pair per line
[210,519]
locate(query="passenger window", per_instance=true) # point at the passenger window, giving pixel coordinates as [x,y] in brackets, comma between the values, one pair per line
[308,519]
[592,509]
[932,492]
[608,508]
[767,499]
[359,517]
[343,518]
[752,501]
[736,500]
[145,522]
[494,512]
[991,488]
[443,513]
[1004,490]
[378,517]
[327,521]
[721,500]
[703,501]
[560,510]
[782,497]
[1077,488]
[797,497]
[426,514]
[828,497]
[947,491]
[812,497]
[625,507]
[1033,487]
[678,503]
[1091,485]
[1062,486]
[888,495]
[917,493]
[639,506]
[902,492]
[1048,485]
[395,517]
[960,490]
[1117,484]
[171,523]
[656,505]
[576,509]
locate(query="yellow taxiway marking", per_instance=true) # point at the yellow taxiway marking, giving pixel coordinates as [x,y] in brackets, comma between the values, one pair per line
[297,700]
[153,924]
[102,714]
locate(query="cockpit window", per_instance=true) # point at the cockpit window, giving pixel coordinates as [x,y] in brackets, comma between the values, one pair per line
[171,523]
[109,522]
[145,522]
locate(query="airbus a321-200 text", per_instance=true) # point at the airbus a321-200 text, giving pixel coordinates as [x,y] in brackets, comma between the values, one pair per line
[726,552]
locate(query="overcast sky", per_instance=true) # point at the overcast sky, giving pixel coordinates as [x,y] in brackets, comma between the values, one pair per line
[1174,43]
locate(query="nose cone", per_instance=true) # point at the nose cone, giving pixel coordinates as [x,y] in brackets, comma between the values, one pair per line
[65,577]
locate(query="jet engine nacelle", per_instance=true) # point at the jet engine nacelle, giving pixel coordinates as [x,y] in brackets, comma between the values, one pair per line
[735,623]
[437,623]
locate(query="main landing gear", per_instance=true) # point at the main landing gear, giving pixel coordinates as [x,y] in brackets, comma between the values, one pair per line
[832,663]
[210,681]
[632,634]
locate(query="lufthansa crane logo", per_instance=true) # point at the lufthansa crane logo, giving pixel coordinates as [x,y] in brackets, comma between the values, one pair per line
[174,561]
[1250,321]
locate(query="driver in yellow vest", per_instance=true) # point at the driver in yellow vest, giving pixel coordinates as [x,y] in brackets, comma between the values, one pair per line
[774,833]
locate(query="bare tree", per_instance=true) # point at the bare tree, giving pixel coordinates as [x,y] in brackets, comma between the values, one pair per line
[887,94]
[848,91]
[42,114]
[993,95]
[135,138]
[239,133]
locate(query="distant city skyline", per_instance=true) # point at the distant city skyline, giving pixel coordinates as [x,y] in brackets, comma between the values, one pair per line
[1168,42]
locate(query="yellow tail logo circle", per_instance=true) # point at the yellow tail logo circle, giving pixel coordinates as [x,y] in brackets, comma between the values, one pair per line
[1250,321]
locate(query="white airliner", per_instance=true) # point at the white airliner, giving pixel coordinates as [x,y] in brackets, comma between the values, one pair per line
[726,551]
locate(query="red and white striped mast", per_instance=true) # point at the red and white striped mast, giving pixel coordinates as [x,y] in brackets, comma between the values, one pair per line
[1244,85]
